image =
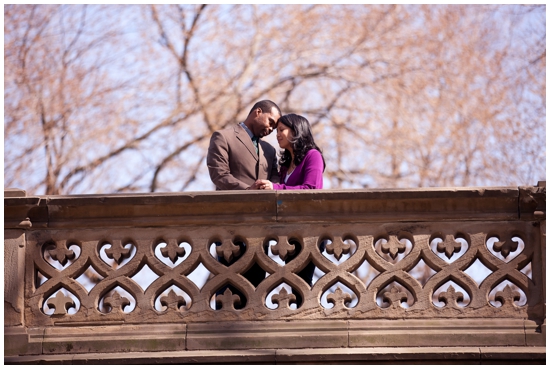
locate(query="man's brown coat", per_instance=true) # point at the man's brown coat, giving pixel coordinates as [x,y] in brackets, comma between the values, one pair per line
[233,162]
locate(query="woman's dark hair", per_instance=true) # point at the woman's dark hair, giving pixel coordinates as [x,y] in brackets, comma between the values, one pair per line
[301,143]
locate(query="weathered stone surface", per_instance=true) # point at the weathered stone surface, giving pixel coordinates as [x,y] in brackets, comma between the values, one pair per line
[169,209]
[438,204]
[310,235]
[363,356]
[113,239]
[14,192]
[532,202]
[535,334]
[103,339]
[380,355]
[507,354]
[22,341]
[25,212]
[450,332]
[150,358]
[186,357]
[227,207]
[543,257]
[14,269]
[250,335]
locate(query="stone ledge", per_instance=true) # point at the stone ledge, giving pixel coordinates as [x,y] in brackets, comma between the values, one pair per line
[104,339]
[436,332]
[397,205]
[154,210]
[14,192]
[94,339]
[411,355]
[235,207]
[22,341]
[266,335]
[276,335]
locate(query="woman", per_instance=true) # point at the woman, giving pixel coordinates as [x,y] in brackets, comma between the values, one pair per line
[302,167]
[302,164]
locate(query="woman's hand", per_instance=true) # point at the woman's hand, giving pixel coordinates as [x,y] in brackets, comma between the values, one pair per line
[262,184]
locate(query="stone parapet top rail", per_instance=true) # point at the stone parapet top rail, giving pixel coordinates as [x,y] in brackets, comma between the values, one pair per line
[228,207]
[426,267]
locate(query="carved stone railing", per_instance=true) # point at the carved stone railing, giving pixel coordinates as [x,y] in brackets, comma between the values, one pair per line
[422,274]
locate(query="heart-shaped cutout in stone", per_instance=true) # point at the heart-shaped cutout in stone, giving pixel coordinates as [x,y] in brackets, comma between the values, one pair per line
[61,303]
[450,249]
[227,251]
[172,253]
[394,295]
[117,301]
[173,298]
[338,249]
[339,296]
[116,253]
[283,297]
[393,248]
[506,249]
[60,254]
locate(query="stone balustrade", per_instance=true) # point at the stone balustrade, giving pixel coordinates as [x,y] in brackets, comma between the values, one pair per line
[431,274]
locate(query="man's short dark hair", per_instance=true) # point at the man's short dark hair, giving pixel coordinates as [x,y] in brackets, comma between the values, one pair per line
[266,106]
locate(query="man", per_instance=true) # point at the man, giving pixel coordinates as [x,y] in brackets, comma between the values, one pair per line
[237,157]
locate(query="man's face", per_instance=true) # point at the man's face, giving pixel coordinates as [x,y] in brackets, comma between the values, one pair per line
[265,123]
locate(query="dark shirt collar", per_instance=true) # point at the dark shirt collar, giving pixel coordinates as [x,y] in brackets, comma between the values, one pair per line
[248,131]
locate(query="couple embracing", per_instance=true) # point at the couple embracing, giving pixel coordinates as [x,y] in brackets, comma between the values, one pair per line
[238,159]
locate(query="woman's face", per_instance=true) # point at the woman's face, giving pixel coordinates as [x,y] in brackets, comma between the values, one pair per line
[284,136]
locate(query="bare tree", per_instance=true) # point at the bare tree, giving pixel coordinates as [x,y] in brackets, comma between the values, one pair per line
[125,98]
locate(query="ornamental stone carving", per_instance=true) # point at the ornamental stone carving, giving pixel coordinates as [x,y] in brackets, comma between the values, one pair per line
[345,262]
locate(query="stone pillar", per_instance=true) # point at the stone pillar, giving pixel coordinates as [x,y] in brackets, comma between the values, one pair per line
[14,268]
[543,254]
[18,340]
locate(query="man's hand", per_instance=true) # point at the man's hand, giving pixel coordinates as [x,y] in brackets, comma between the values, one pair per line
[254,186]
